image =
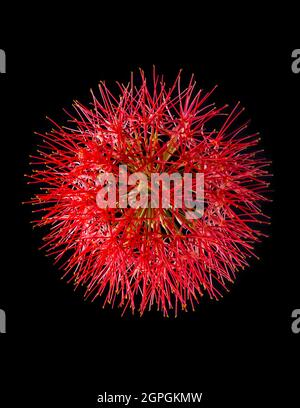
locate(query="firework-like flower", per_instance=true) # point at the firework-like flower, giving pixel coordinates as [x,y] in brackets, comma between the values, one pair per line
[138,257]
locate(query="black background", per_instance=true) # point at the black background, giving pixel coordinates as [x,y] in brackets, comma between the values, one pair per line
[60,349]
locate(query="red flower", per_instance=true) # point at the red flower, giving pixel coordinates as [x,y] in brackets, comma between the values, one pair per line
[141,257]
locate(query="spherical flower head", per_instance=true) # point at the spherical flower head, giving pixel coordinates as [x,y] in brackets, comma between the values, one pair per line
[151,197]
